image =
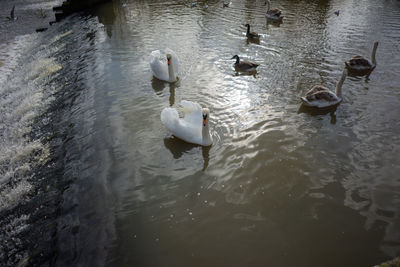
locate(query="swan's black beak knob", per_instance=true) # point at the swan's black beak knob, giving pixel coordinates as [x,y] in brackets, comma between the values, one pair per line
[204,119]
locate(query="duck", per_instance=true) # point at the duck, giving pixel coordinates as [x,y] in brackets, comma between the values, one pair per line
[273,14]
[12,14]
[193,4]
[361,65]
[337,12]
[226,3]
[251,35]
[164,65]
[193,127]
[321,97]
[244,66]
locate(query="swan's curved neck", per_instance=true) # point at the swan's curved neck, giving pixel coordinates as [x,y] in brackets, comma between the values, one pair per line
[248,29]
[237,60]
[373,59]
[268,5]
[206,134]
[171,73]
[338,90]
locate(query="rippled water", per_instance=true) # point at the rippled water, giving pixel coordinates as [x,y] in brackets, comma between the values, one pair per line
[281,185]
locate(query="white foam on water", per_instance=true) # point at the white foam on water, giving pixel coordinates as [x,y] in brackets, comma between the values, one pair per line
[27,66]
[24,95]
[10,53]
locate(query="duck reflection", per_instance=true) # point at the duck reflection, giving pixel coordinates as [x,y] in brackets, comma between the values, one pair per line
[319,111]
[248,73]
[159,86]
[252,41]
[179,147]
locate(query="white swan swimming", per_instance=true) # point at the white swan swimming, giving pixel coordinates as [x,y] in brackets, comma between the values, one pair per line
[193,127]
[321,97]
[165,65]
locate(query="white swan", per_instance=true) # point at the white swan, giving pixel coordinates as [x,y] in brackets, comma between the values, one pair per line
[193,127]
[321,97]
[164,65]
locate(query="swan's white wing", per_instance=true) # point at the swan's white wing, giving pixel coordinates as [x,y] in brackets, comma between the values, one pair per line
[193,113]
[170,118]
[159,65]
[189,106]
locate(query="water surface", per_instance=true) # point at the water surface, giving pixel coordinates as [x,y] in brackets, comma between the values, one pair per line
[281,185]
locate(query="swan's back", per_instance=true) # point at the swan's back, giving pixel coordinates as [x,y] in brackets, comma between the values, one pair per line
[320,97]
[358,62]
[170,117]
[193,112]
[159,64]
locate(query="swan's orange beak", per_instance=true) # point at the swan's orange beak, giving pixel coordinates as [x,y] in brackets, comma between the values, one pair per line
[169,62]
[204,122]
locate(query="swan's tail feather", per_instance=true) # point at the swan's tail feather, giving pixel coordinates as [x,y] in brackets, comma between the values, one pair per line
[169,117]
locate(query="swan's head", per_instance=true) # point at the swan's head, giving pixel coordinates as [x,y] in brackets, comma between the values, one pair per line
[247,25]
[235,56]
[169,56]
[206,116]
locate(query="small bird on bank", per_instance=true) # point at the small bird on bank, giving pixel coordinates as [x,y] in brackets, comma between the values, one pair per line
[244,66]
[337,13]
[12,14]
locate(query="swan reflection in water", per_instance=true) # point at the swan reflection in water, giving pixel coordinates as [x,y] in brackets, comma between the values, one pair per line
[179,147]
[319,111]
[159,86]
[273,23]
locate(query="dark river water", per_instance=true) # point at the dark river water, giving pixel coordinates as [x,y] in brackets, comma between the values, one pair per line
[89,176]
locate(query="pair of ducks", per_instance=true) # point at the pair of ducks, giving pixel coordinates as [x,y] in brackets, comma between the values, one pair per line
[194,128]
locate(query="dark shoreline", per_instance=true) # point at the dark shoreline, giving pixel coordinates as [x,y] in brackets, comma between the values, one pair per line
[71,6]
